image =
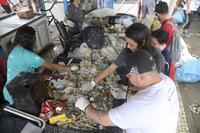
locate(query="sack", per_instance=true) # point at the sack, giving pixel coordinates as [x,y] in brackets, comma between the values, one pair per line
[188,72]
[174,47]
[179,17]
[93,37]
[122,18]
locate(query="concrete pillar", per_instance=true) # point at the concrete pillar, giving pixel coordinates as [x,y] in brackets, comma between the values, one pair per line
[171,6]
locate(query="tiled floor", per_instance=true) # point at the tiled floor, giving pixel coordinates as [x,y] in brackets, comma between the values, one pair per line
[190,92]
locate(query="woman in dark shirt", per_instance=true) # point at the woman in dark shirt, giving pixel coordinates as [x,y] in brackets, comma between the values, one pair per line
[75,15]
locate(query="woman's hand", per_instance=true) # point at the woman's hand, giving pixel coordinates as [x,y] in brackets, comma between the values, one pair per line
[65,19]
[188,11]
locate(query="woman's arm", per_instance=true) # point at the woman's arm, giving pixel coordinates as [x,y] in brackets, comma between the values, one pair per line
[188,7]
[53,66]
[106,72]
[65,19]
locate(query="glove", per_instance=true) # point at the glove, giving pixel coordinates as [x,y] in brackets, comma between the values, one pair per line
[118,93]
[82,103]
[123,87]
[74,68]
[88,86]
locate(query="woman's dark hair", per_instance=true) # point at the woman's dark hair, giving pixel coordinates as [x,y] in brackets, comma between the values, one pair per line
[161,35]
[25,36]
[140,34]
[71,1]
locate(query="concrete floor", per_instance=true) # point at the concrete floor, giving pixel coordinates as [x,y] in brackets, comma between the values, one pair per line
[190,92]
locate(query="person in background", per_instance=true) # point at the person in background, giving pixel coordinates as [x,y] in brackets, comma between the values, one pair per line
[190,10]
[159,39]
[173,43]
[148,6]
[39,6]
[137,37]
[162,12]
[22,57]
[2,73]
[167,1]
[153,109]
[74,17]
[5,5]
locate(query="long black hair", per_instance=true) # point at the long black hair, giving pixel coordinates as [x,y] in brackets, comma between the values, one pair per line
[25,36]
[140,34]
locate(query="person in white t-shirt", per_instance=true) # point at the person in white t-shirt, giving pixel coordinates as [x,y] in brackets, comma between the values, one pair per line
[153,109]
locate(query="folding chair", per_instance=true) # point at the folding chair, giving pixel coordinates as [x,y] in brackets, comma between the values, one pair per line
[61,34]
[70,43]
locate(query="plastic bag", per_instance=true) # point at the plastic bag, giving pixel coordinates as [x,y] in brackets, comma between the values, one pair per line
[179,17]
[188,72]
[124,19]
[93,37]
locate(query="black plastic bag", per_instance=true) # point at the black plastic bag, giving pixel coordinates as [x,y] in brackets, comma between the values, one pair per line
[93,36]
[124,19]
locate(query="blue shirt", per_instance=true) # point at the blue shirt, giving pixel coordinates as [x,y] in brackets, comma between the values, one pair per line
[20,59]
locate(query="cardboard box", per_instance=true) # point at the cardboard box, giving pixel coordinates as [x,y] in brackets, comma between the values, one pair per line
[25,13]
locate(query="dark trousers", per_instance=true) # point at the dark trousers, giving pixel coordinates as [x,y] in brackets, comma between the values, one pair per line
[6,8]
[189,19]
